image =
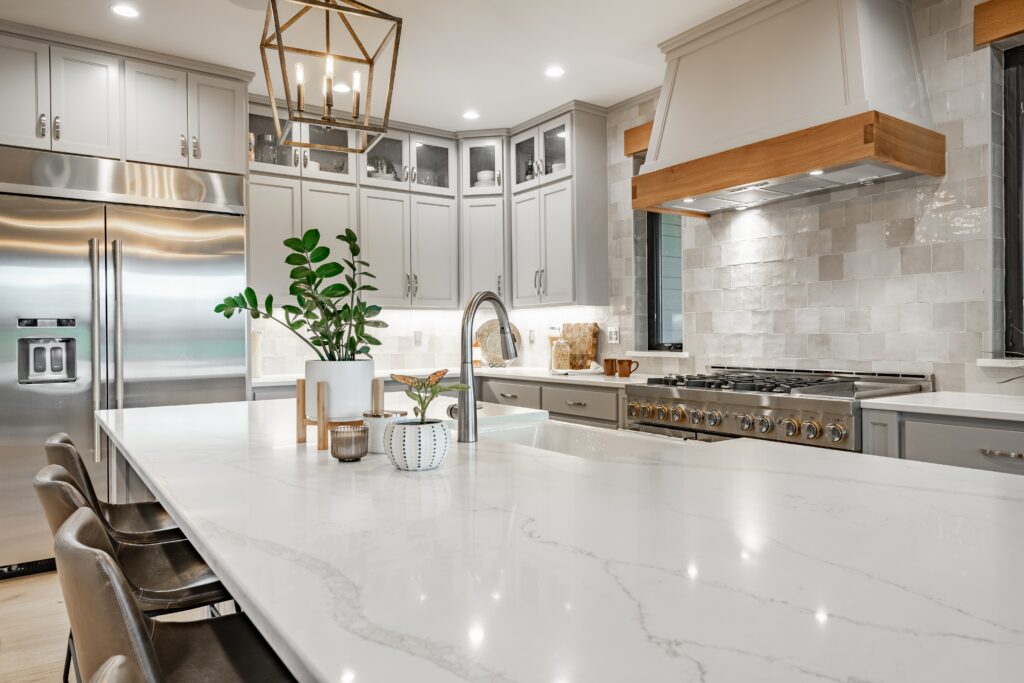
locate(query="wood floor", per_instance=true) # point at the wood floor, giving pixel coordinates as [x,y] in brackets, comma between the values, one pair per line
[33,629]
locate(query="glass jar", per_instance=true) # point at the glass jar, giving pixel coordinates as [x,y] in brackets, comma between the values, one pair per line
[266,151]
[560,355]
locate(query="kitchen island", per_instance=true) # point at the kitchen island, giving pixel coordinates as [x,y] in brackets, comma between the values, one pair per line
[733,561]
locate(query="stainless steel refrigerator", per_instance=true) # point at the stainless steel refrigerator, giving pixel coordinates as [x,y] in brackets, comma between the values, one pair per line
[104,305]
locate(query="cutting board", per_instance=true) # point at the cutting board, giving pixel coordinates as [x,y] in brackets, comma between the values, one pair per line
[582,338]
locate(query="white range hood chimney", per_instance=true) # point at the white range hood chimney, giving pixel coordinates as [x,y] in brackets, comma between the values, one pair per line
[757,98]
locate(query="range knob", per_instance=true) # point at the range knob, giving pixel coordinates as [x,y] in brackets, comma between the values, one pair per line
[696,416]
[678,414]
[646,410]
[790,427]
[835,432]
[811,429]
[764,424]
[632,408]
[714,418]
[746,422]
[662,412]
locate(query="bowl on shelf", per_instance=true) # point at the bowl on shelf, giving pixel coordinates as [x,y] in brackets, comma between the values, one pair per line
[485,176]
[555,168]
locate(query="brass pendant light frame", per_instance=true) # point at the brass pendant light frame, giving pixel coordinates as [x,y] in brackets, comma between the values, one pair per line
[369,131]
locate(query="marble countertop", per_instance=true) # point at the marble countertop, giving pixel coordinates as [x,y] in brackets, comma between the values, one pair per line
[732,561]
[520,373]
[953,403]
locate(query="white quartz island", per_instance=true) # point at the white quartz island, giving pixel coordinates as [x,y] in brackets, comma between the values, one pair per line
[734,561]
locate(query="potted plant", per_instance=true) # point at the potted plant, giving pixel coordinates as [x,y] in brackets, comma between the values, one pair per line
[420,444]
[330,316]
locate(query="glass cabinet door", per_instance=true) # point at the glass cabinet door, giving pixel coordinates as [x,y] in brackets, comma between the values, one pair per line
[387,163]
[327,164]
[267,154]
[433,165]
[525,153]
[482,166]
[556,149]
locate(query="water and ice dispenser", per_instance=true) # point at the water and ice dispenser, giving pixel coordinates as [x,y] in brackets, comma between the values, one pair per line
[43,360]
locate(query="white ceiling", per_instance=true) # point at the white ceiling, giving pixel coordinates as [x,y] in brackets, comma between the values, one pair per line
[487,55]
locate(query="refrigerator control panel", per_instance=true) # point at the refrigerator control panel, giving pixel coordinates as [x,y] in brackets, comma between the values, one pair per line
[44,360]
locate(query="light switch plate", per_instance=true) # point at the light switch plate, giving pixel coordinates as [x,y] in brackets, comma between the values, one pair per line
[417,338]
[533,336]
[613,335]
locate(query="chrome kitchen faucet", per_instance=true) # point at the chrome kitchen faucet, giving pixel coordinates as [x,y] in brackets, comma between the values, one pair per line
[467,399]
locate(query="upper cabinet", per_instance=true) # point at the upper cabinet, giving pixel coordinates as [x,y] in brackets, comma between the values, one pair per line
[59,98]
[542,154]
[25,92]
[403,161]
[268,154]
[156,114]
[482,166]
[216,109]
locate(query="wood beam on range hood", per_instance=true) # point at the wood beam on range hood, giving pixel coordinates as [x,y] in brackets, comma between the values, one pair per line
[636,139]
[997,19]
[870,136]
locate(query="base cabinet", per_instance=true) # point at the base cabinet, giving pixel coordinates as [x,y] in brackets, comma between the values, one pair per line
[597,406]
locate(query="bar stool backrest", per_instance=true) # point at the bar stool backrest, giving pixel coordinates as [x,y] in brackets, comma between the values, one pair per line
[60,497]
[105,620]
[60,450]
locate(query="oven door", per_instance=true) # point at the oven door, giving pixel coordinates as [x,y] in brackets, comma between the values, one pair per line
[674,433]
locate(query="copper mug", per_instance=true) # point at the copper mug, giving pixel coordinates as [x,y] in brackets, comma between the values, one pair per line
[609,367]
[627,367]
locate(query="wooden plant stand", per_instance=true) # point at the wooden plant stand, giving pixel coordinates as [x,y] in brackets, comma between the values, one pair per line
[323,425]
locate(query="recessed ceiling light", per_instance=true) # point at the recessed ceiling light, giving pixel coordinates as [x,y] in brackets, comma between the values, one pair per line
[341,87]
[554,71]
[124,10]
[689,200]
[816,171]
[471,115]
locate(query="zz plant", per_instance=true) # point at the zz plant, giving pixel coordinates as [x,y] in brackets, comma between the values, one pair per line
[329,314]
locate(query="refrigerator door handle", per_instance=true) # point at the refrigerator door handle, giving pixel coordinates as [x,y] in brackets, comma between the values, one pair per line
[94,341]
[118,324]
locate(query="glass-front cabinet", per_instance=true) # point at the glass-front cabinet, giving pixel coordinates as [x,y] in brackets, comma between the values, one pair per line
[434,168]
[328,164]
[267,153]
[482,166]
[542,154]
[387,163]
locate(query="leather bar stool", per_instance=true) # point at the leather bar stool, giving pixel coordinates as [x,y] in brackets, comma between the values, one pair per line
[145,522]
[106,621]
[165,577]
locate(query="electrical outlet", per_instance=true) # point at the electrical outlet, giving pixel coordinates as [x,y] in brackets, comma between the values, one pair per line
[533,336]
[417,338]
[613,335]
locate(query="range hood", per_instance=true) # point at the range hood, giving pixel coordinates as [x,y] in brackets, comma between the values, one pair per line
[783,98]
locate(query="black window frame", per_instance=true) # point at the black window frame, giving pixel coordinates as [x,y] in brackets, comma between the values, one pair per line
[1013,204]
[654,341]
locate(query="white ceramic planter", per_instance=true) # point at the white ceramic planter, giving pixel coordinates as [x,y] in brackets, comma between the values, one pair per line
[414,446]
[349,384]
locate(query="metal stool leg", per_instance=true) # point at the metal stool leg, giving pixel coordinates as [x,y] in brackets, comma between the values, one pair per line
[67,660]
[74,657]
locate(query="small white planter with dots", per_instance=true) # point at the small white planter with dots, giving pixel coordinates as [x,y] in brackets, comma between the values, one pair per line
[414,446]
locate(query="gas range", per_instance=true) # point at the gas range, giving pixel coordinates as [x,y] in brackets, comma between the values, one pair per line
[812,407]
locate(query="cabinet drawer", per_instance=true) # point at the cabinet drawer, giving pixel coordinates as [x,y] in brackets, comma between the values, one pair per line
[593,404]
[963,446]
[510,393]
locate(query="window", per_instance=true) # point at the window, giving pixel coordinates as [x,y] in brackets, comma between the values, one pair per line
[1013,141]
[665,282]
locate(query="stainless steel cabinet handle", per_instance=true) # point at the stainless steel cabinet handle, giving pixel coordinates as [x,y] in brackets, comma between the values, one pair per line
[195,147]
[499,286]
[508,395]
[540,166]
[577,404]
[415,285]
[56,128]
[183,145]
[408,284]
[118,323]
[414,174]
[305,159]
[1002,454]
[94,340]
[42,125]
[536,285]
[497,177]
[405,173]
[543,281]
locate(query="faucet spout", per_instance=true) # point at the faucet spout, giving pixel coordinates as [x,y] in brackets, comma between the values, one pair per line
[467,399]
